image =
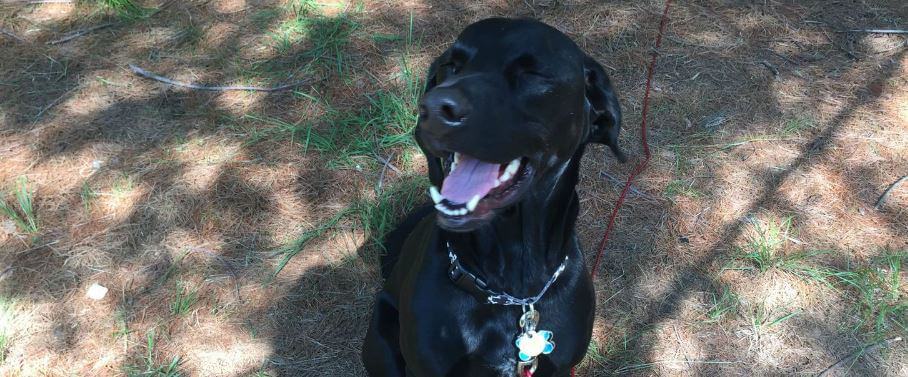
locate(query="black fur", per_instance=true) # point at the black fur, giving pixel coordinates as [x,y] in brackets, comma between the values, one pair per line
[506,89]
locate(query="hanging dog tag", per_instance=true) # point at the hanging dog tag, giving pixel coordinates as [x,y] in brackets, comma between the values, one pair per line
[533,343]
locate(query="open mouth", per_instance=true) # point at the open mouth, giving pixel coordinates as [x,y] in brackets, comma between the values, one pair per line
[473,188]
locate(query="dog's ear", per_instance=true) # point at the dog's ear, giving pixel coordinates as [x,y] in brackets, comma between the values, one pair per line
[436,173]
[605,111]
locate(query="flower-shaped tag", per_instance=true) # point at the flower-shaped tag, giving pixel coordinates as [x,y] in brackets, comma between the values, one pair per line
[532,343]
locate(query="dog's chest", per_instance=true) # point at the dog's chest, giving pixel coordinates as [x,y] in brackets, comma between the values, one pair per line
[471,338]
[487,334]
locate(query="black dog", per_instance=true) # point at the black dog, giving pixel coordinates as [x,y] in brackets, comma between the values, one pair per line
[504,122]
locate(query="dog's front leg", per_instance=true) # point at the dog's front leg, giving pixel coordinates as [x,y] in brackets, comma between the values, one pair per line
[381,349]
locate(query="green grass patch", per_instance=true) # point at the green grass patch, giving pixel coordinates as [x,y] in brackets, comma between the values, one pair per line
[722,304]
[122,186]
[87,194]
[681,187]
[761,321]
[622,357]
[294,247]
[183,301]
[325,38]
[126,9]
[881,306]
[23,212]
[763,247]
[4,347]
[7,317]
[880,302]
[189,36]
[799,265]
[377,216]
[150,366]
[352,138]
[264,16]
[794,126]
[122,330]
[347,138]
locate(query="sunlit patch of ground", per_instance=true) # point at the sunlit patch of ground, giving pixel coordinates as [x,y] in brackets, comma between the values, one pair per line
[237,232]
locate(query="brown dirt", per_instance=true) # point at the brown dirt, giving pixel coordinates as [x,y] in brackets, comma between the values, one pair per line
[183,199]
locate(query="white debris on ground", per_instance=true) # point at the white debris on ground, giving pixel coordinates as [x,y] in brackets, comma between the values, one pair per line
[96,291]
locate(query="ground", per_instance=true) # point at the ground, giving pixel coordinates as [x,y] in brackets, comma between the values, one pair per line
[237,232]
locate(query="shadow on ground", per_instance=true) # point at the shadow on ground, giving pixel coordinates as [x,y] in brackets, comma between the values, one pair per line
[314,321]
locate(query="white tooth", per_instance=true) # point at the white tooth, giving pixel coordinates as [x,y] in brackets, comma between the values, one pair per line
[443,209]
[462,211]
[436,196]
[497,183]
[456,157]
[513,166]
[471,205]
[505,176]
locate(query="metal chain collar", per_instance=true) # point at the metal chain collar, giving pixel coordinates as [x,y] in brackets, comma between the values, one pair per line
[465,279]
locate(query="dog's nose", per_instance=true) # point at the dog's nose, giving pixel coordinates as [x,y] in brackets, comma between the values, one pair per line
[446,106]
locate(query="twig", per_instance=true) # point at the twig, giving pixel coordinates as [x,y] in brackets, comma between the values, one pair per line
[79,33]
[381,176]
[775,72]
[787,59]
[875,31]
[53,103]
[12,35]
[33,248]
[861,351]
[886,193]
[152,76]
[387,163]
[161,7]
[632,189]
[5,273]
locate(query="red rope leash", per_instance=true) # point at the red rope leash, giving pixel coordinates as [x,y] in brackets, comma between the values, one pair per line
[642,165]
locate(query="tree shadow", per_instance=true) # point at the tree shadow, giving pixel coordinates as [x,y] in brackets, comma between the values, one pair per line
[315,325]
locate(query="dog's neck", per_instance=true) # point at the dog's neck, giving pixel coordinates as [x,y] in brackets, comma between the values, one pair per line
[524,245]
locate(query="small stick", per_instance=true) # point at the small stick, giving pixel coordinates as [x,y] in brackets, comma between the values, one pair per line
[633,189]
[875,31]
[787,59]
[387,163]
[870,348]
[775,72]
[79,33]
[152,76]
[53,103]
[381,176]
[888,191]
[12,35]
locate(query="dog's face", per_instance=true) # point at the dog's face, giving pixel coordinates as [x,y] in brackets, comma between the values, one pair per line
[504,110]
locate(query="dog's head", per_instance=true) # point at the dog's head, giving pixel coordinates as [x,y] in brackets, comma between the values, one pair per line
[504,110]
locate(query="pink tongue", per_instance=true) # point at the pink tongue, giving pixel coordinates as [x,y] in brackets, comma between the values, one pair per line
[470,177]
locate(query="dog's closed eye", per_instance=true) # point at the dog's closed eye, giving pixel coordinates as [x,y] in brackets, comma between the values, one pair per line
[525,71]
